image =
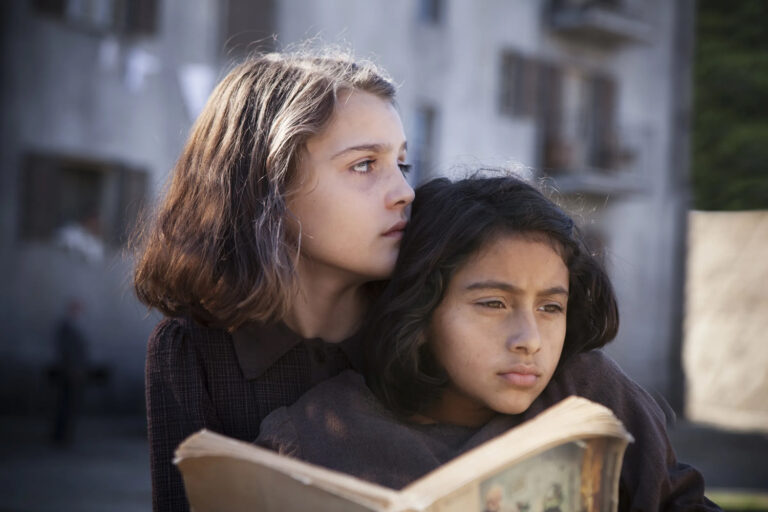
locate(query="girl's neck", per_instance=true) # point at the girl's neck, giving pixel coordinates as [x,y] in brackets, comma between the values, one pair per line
[455,408]
[328,305]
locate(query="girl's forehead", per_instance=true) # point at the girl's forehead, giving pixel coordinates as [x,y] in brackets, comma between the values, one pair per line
[499,242]
[516,261]
[360,120]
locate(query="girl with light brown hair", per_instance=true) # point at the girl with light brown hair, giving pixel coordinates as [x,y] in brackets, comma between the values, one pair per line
[284,211]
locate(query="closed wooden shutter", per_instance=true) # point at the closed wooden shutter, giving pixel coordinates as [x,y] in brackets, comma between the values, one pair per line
[604,150]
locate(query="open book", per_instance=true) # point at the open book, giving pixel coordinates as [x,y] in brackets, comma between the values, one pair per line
[568,458]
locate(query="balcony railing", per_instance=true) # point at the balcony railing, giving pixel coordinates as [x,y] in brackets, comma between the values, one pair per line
[600,21]
[619,166]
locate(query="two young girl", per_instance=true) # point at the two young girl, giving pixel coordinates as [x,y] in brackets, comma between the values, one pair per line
[285,212]
[285,208]
[494,312]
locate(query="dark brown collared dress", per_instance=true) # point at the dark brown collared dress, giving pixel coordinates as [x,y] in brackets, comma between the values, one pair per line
[198,377]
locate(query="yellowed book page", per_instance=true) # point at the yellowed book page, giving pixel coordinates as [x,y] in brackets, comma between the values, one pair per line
[572,419]
[224,474]
[224,484]
[551,480]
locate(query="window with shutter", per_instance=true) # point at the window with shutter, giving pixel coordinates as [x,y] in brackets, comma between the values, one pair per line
[518,88]
[603,146]
[60,192]
[425,120]
[431,11]
[134,17]
[555,148]
[249,26]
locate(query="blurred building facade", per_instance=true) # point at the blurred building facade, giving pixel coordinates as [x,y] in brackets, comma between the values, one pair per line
[591,95]
[97,99]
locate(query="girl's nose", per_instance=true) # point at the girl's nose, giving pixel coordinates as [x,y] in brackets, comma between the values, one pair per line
[400,193]
[524,335]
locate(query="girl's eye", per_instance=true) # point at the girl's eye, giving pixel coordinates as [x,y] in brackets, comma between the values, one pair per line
[404,168]
[551,308]
[492,304]
[364,166]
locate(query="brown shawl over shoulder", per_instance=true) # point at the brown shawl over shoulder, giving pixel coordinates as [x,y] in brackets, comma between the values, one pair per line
[339,424]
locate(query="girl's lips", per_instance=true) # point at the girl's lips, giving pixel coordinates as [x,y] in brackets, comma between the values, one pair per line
[396,230]
[394,234]
[520,380]
[521,376]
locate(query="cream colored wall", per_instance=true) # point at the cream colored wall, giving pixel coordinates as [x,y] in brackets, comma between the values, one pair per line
[725,352]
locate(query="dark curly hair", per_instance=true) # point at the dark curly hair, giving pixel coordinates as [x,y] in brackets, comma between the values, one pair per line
[450,222]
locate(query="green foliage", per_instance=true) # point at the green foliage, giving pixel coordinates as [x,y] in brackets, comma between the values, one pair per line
[730,125]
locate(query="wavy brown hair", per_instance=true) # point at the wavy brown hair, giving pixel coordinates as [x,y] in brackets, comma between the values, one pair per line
[219,247]
[451,221]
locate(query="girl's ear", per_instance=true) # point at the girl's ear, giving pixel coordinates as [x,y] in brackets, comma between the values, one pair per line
[603,311]
[593,315]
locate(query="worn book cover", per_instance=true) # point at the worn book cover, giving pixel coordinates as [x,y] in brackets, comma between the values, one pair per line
[568,458]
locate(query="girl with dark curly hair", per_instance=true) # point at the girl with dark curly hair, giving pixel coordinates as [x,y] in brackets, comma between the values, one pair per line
[496,310]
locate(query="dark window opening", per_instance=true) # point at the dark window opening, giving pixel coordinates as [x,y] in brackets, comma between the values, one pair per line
[574,110]
[128,17]
[101,200]
[519,82]
[423,147]
[431,11]
[250,26]
[603,152]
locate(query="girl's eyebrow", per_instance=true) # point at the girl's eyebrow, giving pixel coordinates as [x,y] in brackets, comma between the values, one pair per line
[372,147]
[510,288]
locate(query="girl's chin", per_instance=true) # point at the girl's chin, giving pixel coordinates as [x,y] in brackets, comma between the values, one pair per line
[514,407]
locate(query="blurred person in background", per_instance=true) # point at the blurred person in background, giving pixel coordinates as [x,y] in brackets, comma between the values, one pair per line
[69,372]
